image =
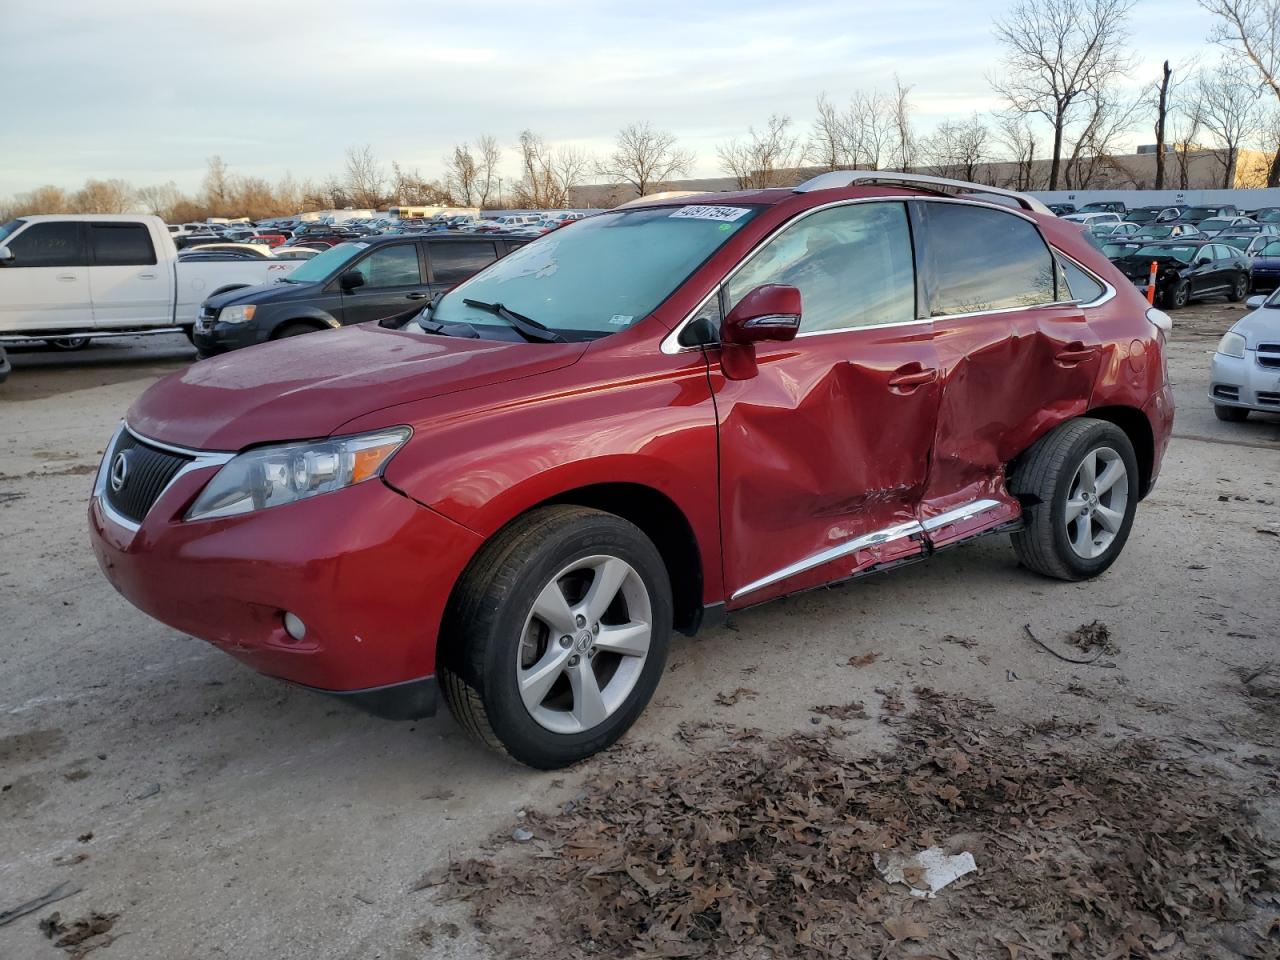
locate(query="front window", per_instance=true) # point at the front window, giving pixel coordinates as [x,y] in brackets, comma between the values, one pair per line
[320,267]
[853,266]
[1215,224]
[1198,213]
[8,228]
[604,275]
[1272,249]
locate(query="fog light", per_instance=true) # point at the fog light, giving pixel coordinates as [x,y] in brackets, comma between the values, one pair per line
[294,626]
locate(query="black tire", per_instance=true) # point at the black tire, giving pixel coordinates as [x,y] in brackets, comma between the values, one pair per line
[1042,479]
[1177,296]
[1239,288]
[294,330]
[68,344]
[1230,414]
[481,640]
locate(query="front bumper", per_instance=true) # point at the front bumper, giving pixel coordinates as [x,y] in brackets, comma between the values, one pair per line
[212,337]
[1244,382]
[368,570]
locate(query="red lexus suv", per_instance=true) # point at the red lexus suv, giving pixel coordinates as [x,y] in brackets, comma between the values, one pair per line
[629,427]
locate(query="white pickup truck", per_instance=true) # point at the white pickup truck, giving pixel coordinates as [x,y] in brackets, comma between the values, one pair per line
[68,278]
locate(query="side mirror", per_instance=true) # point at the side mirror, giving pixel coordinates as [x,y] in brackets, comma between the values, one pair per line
[351,279]
[1253,303]
[769,312]
[5,254]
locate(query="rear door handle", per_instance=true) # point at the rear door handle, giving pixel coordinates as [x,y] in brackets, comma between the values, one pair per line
[1075,352]
[911,376]
[66,276]
[146,276]
[417,296]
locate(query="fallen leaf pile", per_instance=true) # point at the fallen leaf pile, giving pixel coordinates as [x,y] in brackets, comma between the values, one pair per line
[80,937]
[757,847]
[1089,636]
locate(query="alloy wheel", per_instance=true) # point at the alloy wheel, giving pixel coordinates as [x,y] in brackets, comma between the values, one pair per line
[584,644]
[1095,507]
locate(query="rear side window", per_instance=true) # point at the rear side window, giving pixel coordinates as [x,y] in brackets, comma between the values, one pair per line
[121,245]
[981,259]
[54,244]
[454,262]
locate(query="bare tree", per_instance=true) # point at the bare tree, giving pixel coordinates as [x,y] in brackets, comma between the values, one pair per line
[905,148]
[1092,161]
[216,186]
[488,158]
[1162,117]
[1250,30]
[827,146]
[160,199]
[957,149]
[104,196]
[366,180]
[548,174]
[645,158]
[462,174]
[870,127]
[1057,53]
[1014,133]
[766,158]
[1188,122]
[1230,112]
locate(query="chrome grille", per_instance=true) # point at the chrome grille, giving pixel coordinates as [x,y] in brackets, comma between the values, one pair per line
[147,471]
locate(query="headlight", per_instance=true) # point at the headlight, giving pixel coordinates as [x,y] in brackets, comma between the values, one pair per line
[272,476]
[237,314]
[1231,345]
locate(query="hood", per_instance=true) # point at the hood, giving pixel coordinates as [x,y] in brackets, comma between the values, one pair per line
[1141,266]
[1261,326]
[262,293]
[307,386]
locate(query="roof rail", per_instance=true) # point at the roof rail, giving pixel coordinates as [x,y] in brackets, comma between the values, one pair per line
[848,178]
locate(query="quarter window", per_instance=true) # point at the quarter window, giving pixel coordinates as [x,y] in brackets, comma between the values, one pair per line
[981,259]
[121,245]
[393,266]
[853,266]
[50,244]
[1079,285]
[452,262]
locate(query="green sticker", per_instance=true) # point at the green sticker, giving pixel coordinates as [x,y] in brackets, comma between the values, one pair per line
[726,227]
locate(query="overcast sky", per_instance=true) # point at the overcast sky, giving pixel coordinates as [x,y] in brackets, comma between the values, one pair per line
[148,90]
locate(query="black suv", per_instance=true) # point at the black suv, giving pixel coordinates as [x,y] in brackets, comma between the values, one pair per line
[355,282]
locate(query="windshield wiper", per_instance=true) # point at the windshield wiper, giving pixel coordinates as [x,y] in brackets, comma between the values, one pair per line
[527,327]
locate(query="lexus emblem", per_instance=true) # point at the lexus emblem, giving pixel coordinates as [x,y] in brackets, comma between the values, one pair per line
[119,471]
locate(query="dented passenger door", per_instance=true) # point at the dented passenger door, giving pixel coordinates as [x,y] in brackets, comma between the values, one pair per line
[824,451]
[1015,354]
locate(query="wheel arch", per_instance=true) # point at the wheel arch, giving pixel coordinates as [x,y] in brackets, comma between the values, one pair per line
[228,288]
[1138,429]
[316,323]
[655,514]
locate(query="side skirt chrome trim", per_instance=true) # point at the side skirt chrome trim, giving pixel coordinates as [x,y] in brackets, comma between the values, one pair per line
[887,535]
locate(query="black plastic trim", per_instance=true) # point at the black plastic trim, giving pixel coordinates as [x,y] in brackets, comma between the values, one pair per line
[410,700]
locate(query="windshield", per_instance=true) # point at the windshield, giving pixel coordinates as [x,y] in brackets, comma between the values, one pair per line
[1141,216]
[1198,213]
[322,265]
[1214,224]
[1118,249]
[1163,252]
[10,228]
[1157,231]
[603,275]
[1240,243]
[1096,208]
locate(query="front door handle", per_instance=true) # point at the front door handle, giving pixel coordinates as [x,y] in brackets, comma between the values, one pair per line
[67,276]
[1074,352]
[417,296]
[146,276]
[911,376]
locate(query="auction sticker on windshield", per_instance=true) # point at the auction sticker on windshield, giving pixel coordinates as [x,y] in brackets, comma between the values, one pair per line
[711,213]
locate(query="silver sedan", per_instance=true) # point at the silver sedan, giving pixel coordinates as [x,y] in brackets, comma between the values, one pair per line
[1246,367]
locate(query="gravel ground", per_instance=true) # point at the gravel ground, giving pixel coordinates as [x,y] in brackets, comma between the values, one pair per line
[221,814]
